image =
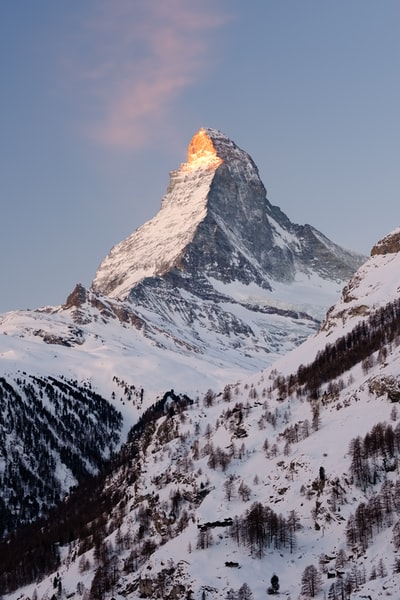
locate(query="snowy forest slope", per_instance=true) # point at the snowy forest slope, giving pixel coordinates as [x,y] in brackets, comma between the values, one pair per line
[292,473]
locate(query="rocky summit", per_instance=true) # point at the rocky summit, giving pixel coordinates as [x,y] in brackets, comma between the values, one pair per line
[220,260]
[215,221]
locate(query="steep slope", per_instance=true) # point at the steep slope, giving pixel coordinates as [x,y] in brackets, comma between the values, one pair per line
[272,475]
[54,433]
[219,268]
[218,285]
[216,221]
[365,292]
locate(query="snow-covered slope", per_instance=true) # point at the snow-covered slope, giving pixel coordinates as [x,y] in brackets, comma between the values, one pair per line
[157,246]
[217,286]
[271,475]
[374,285]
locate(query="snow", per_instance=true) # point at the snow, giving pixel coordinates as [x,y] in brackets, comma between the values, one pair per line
[156,246]
[172,357]
[374,285]
[308,293]
[206,568]
[283,238]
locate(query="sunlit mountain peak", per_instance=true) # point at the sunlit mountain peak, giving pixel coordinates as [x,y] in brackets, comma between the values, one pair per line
[201,152]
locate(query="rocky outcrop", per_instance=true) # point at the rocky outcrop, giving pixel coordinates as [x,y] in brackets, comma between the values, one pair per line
[390,244]
[81,300]
[372,286]
[77,297]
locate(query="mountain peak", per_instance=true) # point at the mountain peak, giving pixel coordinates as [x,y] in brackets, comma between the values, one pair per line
[160,244]
[202,152]
[215,221]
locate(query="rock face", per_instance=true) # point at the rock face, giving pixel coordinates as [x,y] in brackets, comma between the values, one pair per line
[390,244]
[219,267]
[216,221]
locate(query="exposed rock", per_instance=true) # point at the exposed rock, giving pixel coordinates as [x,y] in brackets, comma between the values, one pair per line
[81,299]
[390,244]
[77,297]
[388,384]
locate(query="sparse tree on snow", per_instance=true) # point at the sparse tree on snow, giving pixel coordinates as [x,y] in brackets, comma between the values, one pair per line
[274,587]
[311,581]
[245,592]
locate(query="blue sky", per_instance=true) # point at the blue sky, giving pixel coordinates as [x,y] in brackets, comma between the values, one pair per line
[99,100]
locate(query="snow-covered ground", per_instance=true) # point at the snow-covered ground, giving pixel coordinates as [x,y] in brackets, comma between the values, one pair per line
[284,475]
[285,482]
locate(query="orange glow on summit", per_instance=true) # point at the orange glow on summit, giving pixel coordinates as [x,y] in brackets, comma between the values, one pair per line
[201,152]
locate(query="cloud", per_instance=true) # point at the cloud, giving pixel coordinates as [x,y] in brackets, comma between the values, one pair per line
[136,58]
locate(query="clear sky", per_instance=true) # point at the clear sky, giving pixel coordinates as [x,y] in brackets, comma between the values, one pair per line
[100,98]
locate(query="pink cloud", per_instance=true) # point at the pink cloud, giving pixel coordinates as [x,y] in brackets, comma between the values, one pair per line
[137,59]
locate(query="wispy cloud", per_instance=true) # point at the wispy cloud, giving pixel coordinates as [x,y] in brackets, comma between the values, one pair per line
[137,58]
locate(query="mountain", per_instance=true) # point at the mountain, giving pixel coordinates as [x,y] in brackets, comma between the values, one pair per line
[285,481]
[219,275]
[215,222]
[216,286]
[219,268]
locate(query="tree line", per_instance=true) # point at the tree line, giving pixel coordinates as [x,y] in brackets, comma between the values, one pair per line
[367,337]
[43,420]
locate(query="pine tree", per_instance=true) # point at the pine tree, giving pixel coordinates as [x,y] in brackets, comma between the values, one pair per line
[381,571]
[396,565]
[274,584]
[311,581]
[228,487]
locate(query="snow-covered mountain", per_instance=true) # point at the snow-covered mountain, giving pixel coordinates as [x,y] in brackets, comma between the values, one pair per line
[219,275]
[216,222]
[219,268]
[284,481]
[217,285]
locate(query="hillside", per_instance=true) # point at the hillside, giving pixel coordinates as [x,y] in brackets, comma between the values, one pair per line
[291,472]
